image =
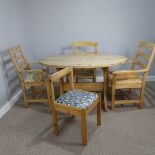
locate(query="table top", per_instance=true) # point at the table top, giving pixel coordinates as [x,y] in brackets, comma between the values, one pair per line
[84,61]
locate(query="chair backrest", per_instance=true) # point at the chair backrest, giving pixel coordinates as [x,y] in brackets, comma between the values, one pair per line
[19,60]
[59,76]
[144,56]
[78,48]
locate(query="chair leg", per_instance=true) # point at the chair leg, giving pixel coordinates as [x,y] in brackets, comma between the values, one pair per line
[48,96]
[99,112]
[24,95]
[113,98]
[55,122]
[84,127]
[141,99]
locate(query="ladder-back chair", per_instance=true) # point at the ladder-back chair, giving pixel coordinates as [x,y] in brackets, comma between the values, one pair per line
[74,102]
[80,48]
[136,76]
[31,79]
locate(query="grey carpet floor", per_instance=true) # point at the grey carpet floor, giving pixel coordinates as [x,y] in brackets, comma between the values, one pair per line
[124,131]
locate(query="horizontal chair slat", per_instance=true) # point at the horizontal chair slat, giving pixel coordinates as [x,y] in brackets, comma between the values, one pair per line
[145,44]
[34,83]
[67,109]
[37,100]
[84,43]
[123,86]
[99,86]
[127,102]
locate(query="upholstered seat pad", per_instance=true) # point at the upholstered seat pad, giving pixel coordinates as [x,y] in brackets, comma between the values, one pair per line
[77,98]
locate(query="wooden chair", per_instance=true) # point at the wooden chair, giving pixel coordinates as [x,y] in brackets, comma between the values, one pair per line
[31,79]
[136,76]
[84,73]
[74,102]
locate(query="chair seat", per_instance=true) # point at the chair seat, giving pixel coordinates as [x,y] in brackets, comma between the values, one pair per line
[133,79]
[77,98]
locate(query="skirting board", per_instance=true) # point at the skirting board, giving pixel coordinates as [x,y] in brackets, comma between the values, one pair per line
[10,103]
[15,98]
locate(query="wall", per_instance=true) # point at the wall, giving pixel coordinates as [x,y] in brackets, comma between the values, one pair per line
[12,32]
[116,25]
[48,27]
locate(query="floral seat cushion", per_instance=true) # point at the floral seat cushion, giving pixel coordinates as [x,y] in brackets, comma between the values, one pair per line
[77,98]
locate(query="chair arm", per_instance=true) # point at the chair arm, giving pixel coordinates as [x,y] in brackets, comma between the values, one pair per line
[128,72]
[33,71]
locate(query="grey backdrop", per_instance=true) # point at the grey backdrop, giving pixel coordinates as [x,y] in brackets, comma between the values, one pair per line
[12,32]
[48,27]
[117,25]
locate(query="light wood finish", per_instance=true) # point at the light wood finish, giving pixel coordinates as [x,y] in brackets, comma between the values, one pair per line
[125,79]
[105,71]
[84,61]
[99,86]
[77,45]
[87,61]
[29,78]
[84,127]
[99,111]
[73,111]
[85,73]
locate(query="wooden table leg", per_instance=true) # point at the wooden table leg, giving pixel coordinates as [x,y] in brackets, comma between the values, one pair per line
[105,75]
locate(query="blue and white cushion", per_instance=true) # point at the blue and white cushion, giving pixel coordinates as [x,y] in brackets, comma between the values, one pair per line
[77,98]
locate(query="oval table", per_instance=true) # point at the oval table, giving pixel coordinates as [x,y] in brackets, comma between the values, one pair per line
[103,61]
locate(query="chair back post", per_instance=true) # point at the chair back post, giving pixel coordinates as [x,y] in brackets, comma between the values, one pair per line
[133,63]
[151,58]
[75,45]
[150,46]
